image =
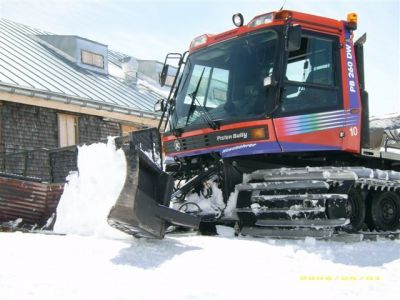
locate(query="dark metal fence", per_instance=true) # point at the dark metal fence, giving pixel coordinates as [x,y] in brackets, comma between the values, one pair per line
[45,165]
[32,182]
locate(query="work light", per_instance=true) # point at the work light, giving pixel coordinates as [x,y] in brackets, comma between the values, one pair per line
[238,19]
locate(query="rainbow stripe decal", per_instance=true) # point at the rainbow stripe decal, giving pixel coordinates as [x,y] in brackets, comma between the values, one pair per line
[319,121]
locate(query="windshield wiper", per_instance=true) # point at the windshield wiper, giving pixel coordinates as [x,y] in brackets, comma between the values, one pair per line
[206,116]
[193,95]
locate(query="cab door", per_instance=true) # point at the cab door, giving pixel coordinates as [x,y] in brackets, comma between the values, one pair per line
[311,115]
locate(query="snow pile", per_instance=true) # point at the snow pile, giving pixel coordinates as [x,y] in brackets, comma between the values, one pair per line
[90,194]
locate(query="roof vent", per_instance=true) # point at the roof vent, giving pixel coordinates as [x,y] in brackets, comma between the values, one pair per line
[130,67]
[85,53]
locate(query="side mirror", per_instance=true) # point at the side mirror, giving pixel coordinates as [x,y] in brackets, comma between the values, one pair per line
[293,39]
[160,105]
[164,74]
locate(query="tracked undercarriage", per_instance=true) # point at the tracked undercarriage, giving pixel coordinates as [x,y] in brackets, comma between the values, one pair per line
[324,199]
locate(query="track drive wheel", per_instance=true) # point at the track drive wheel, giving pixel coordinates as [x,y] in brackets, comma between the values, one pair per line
[356,210]
[385,211]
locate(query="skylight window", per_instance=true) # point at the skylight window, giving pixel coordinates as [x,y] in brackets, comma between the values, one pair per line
[93,59]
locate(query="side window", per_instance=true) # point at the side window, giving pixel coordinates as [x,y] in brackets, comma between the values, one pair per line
[311,80]
[67,130]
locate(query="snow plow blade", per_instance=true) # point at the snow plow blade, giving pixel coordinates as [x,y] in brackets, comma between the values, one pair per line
[142,208]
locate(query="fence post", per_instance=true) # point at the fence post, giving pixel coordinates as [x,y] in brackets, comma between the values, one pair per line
[50,163]
[26,154]
[4,162]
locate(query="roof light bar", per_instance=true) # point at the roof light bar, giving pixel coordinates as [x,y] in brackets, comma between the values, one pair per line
[198,41]
[261,20]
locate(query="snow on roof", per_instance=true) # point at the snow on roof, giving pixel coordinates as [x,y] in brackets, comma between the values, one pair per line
[389,121]
[29,65]
[149,84]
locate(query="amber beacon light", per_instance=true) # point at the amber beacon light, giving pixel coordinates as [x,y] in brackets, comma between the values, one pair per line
[352,21]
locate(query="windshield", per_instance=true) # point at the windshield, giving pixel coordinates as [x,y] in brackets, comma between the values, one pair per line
[226,81]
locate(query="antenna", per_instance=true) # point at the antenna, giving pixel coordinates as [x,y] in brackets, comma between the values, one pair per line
[284,2]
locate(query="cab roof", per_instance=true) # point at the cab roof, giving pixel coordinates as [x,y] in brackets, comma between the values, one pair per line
[276,18]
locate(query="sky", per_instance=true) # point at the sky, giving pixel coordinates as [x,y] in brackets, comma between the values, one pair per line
[149,29]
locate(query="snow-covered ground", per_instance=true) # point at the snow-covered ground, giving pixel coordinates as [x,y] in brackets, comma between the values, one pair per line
[35,266]
[94,261]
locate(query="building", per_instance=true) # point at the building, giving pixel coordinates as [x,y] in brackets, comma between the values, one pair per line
[59,90]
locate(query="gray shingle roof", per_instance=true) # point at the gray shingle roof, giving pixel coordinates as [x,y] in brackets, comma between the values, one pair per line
[27,64]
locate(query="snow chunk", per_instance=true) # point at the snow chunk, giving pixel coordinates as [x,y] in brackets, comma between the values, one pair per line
[90,193]
[156,159]
[213,204]
[230,210]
